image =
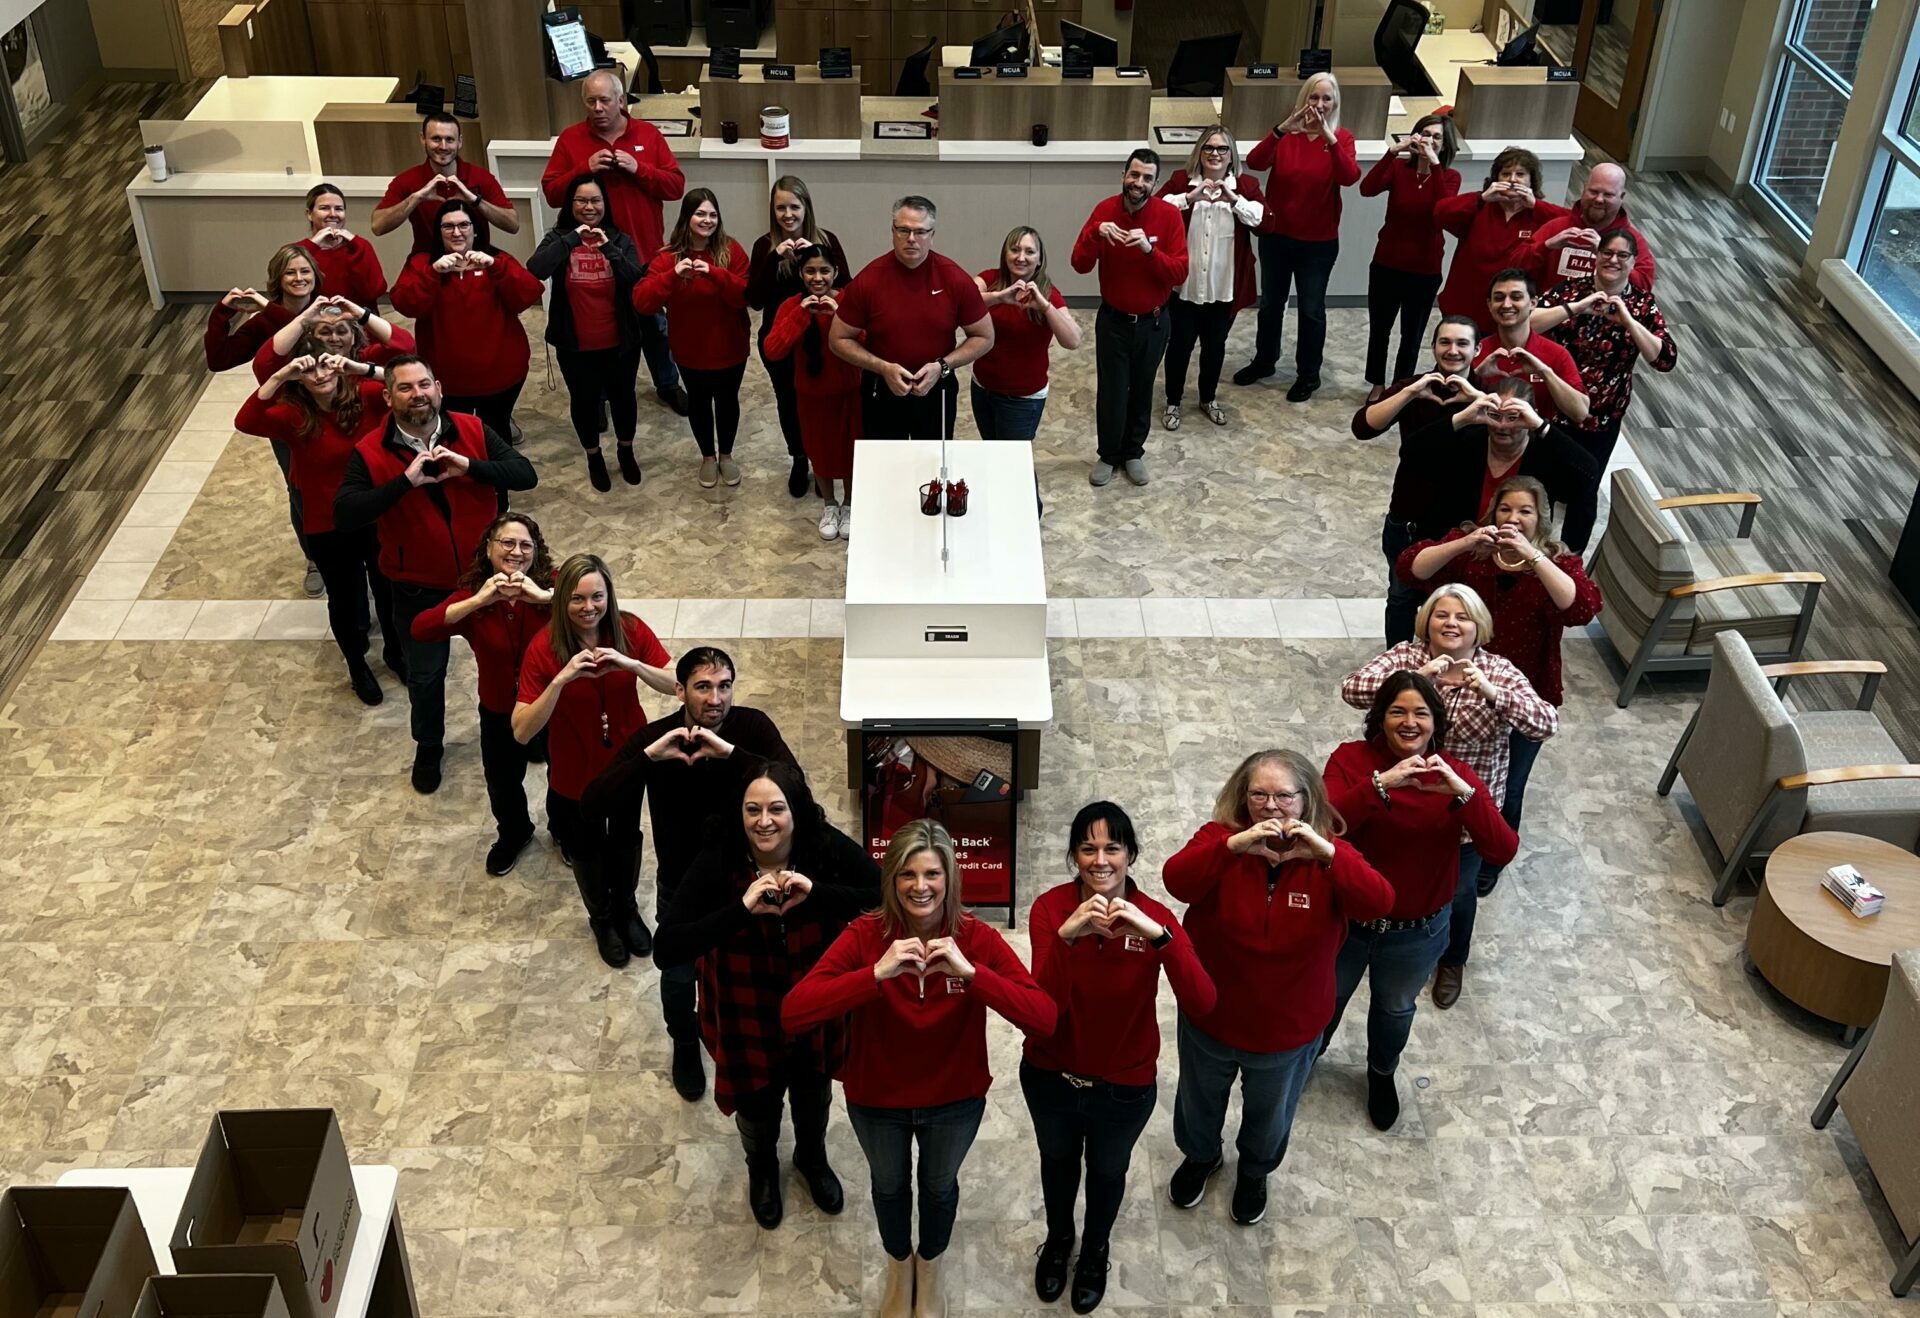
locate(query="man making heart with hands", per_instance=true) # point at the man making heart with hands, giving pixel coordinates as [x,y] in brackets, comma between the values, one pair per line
[414,194]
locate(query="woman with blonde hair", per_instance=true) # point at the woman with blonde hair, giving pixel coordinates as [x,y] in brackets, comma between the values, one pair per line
[1270,888]
[1490,705]
[580,681]
[1311,157]
[1029,316]
[793,234]
[1224,210]
[914,981]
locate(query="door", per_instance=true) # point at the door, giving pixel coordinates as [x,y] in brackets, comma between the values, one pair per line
[1610,43]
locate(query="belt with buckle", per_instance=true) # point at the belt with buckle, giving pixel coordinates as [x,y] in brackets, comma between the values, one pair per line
[1398,926]
[1078,1081]
[1134,316]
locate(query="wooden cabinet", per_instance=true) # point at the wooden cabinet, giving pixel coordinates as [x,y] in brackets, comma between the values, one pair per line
[913,31]
[414,41]
[868,33]
[602,19]
[800,33]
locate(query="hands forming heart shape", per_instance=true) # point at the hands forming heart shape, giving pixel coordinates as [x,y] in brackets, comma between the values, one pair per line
[689,745]
[776,893]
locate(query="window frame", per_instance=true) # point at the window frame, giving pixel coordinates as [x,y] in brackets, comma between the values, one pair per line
[1893,147]
[1791,55]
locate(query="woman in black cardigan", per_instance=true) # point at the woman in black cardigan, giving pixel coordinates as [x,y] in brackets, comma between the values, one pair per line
[773,276]
[591,324]
[756,909]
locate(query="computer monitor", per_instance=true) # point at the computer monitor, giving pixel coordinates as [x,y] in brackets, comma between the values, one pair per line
[1522,51]
[1003,45]
[1099,50]
[1199,65]
[569,51]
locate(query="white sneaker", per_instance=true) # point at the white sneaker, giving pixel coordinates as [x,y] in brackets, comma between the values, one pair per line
[846,521]
[830,521]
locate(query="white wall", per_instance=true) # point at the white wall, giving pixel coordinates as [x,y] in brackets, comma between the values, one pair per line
[1680,110]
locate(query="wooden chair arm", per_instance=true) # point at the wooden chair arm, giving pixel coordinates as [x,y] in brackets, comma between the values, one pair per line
[1704,500]
[1818,667]
[1853,773]
[1747,579]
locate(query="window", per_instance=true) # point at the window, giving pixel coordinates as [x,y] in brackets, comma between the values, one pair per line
[1830,32]
[1887,253]
[1813,86]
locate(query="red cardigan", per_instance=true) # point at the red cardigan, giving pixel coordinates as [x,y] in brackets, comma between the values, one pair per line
[708,313]
[1489,243]
[227,347]
[499,635]
[1246,282]
[1414,840]
[904,1049]
[1410,240]
[1303,191]
[1270,936]
[351,269]
[319,460]
[468,323]
[1106,988]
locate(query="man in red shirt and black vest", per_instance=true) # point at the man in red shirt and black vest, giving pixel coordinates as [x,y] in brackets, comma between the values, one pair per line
[430,482]
[1140,244]
[635,168]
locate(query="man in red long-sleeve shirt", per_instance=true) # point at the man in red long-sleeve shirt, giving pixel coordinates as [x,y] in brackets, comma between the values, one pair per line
[636,170]
[1139,242]
[1564,248]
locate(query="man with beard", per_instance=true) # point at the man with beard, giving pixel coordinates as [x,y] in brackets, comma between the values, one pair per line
[1514,351]
[1564,248]
[1139,242]
[687,764]
[430,482]
[415,194]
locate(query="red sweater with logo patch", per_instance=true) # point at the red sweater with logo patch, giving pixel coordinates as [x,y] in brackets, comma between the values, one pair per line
[1490,241]
[908,1050]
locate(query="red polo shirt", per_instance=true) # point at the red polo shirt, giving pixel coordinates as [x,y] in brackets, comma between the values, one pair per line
[479,182]
[1489,370]
[911,316]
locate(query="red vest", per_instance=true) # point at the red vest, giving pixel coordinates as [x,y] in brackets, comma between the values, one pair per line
[422,541]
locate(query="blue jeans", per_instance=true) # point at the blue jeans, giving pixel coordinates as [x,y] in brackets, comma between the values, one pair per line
[1098,1126]
[1270,1085]
[1521,753]
[1403,601]
[653,346]
[1466,905]
[1002,416]
[1398,965]
[887,1136]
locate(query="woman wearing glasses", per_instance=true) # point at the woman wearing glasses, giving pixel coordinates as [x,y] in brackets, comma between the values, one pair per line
[1404,278]
[1224,209]
[1270,889]
[1609,327]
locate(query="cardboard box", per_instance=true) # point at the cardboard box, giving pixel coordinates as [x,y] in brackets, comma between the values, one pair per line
[273,1192]
[213,1295]
[71,1252]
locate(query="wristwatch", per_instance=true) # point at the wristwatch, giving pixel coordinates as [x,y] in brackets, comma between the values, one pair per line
[946,371]
[1166,936]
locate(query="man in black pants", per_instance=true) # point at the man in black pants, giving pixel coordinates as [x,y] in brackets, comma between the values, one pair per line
[909,303]
[1139,242]
[687,764]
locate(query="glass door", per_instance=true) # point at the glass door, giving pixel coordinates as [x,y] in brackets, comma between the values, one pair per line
[1610,43]
[1812,86]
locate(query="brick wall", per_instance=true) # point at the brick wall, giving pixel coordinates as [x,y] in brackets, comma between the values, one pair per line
[1809,121]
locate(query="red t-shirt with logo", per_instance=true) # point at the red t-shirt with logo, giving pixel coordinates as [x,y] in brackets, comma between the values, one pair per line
[590,294]
[911,316]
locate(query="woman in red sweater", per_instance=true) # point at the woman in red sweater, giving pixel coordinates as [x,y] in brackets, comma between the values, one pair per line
[1270,889]
[700,279]
[347,261]
[1029,315]
[1223,209]
[1099,945]
[1405,274]
[1405,801]
[914,982]
[242,322]
[826,390]
[318,406]
[580,679]
[1312,158]
[1495,231]
[502,604]
[466,298]
[341,326]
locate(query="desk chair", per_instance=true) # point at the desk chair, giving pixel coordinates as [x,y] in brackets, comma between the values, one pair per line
[913,73]
[1199,65]
[1394,43]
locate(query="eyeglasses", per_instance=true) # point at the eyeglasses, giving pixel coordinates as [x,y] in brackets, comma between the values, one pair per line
[1215,149]
[1276,798]
[904,232]
[456,227]
[1615,258]
[515,544]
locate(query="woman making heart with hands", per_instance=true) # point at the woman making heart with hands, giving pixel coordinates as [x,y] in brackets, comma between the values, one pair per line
[346,261]
[1406,800]
[755,910]
[1495,229]
[1270,887]
[1224,210]
[914,982]
[342,326]
[824,390]
[1099,946]
[1404,276]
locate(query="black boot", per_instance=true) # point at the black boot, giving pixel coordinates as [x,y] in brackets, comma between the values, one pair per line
[426,769]
[689,1072]
[810,1103]
[634,932]
[365,684]
[1383,1100]
[612,950]
[800,477]
[761,1140]
[1050,1268]
[1089,1279]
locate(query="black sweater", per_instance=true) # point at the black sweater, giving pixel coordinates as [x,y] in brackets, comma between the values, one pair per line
[554,257]
[768,286]
[1450,468]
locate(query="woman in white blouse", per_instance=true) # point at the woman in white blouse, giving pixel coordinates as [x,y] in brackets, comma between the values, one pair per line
[1223,209]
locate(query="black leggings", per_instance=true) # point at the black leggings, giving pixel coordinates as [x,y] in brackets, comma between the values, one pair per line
[781,373]
[1396,295]
[1207,324]
[1095,1127]
[494,409]
[504,762]
[602,373]
[1576,528]
[349,562]
[713,406]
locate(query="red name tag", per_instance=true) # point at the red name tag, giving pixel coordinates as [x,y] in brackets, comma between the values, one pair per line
[956,985]
[1299,901]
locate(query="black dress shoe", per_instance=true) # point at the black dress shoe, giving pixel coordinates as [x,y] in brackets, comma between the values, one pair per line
[426,769]
[1253,372]
[1486,883]
[822,1184]
[365,684]
[676,398]
[1089,1280]
[597,471]
[504,854]
[635,934]
[763,1193]
[1050,1268]
[799,478]
[612,950]
[1302,389]
[689,1071]
[395,658]
[1383,1100]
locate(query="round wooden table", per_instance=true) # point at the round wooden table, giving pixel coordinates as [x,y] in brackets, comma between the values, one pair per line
[1810,947]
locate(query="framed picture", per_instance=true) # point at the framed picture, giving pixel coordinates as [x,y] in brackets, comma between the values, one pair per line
[894,130]
[1180,134]
[673,127]
[959,774]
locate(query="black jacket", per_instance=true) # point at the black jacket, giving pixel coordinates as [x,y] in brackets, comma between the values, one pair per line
[553,258]
[1450,468]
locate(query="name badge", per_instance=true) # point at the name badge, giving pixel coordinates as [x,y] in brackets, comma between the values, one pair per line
[955,985]
[1134,943]
[1299,901]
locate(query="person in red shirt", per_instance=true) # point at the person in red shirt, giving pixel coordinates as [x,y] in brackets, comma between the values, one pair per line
[896,322]
[1404,276]
[914,982]
[347,262]
[579,680]
[700,279]
[1312,158]
[1515,352]
[1139,243]
[637,172]
[1270,889]
[415,194]
[1099,945]
[1224,208]
[1405,801]
[466,298]
[755,910]
[826,390]
[1564,248]
[1495,228]
[1010,384]
[317,406]
[340,325]
[503,602]
[593,269]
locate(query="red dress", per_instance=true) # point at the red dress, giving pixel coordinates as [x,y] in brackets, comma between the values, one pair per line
[830,401]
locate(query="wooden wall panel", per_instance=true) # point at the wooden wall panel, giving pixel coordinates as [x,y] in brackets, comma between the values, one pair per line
[346,39]
[869,33]
[414,39]
[800,33]
[511,72]
[459,45]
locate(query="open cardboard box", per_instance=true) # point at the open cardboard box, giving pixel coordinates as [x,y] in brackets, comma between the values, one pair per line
[71,1252]
[272,1192]
[212,1295]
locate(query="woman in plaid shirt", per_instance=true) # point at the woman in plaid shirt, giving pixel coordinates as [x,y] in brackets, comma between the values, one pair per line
[1488,699]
